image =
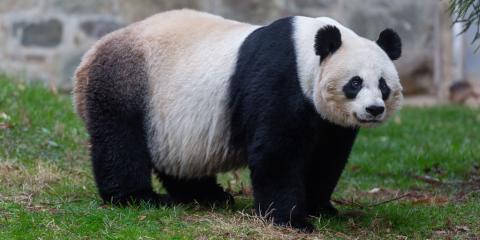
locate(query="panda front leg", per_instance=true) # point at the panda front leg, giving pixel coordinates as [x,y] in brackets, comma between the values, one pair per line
[327,163]
[321,182]
[277,175]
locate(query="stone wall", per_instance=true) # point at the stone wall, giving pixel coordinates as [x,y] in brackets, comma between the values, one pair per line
[45,39]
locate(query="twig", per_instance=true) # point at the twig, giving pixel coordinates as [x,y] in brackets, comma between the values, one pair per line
[353,203]
[389,200]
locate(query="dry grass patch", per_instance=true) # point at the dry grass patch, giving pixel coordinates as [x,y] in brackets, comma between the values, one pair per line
[242,225]
[24,183]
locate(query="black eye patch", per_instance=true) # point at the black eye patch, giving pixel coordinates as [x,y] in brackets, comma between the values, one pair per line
[382,85]
[353,86]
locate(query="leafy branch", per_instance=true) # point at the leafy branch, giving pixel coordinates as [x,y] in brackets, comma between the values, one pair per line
[467,12]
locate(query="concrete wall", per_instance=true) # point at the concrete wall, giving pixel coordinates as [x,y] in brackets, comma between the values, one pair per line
[45,39]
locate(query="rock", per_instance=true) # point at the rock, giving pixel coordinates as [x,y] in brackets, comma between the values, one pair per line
[41,34]
[98,28]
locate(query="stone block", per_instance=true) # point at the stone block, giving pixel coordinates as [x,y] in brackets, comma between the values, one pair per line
[99,27]
[46,33]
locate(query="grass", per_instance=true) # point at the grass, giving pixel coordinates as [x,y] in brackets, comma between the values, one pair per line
[416,177]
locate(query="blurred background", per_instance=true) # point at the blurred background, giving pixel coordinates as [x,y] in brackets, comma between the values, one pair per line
[43,40]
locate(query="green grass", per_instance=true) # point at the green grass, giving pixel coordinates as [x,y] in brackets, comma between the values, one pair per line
[47,190]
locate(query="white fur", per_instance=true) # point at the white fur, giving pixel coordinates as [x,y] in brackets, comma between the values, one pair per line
[191,57]
[357,56]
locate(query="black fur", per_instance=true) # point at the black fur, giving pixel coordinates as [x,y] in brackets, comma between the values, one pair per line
[116,115]
[391,43]
[294,155]
[203,190]
[353,87]
[384,88]
[327,41]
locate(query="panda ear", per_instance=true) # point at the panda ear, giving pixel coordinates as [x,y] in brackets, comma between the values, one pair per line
[391,43]
[327,41]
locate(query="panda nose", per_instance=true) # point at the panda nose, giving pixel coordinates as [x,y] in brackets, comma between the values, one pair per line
[375,110]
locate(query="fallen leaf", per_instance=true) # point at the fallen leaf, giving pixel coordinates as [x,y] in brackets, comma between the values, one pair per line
[438,200]
[441,232]
[142,217]
[52,143]
[355,168]
[429,179]
[375,190]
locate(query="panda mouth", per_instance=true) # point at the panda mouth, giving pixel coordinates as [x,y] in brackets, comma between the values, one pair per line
[365,120]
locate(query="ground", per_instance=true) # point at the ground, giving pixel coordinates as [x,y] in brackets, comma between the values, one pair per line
[416,177]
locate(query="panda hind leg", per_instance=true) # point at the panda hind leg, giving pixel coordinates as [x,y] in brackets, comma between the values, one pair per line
[205,191]
[121,162]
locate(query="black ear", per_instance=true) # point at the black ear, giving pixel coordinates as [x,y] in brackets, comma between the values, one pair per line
[327,41]
[391,43]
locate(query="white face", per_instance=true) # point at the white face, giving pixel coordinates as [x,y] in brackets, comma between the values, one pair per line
[358,86]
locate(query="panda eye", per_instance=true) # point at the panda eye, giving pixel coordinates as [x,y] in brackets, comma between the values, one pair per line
[356,82]
[382,85]
[352,88]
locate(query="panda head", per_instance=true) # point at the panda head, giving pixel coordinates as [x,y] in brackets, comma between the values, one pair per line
[358,85]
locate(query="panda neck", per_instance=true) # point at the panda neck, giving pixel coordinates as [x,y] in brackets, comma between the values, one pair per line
[308,63]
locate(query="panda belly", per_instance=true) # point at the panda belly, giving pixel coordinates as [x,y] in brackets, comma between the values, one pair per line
[189,136]
[188,123]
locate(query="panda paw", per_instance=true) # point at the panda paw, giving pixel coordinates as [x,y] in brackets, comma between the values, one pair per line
[305,227]
[324,209]
[218,199]
[151,198]
[301,226]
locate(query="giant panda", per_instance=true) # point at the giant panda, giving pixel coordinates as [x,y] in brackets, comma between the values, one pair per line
[188,94]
